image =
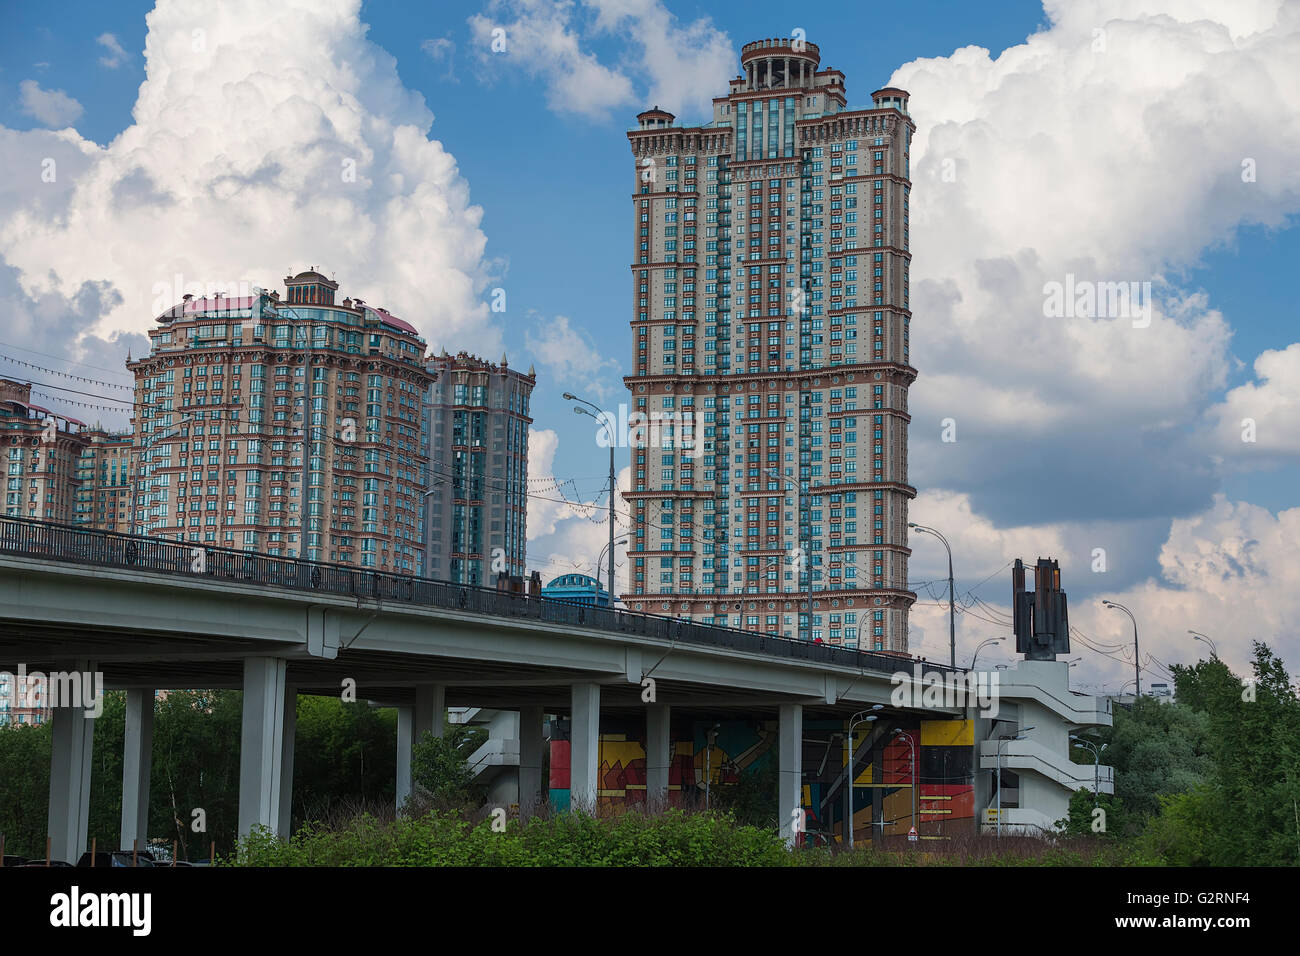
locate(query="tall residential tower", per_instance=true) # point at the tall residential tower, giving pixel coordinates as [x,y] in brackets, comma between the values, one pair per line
[770,289]
[474,425]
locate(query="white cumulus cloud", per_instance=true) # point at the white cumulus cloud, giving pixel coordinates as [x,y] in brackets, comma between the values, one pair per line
[248,157]
[54,108]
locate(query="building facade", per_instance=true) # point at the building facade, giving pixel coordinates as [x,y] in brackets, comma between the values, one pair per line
[474,423]
[771,325]
[105,478]
[42,454]
[232,393]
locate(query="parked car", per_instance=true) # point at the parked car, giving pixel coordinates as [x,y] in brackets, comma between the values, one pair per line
[45,863]
[11,860]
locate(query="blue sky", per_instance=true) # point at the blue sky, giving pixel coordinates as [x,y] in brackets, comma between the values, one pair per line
[556,240]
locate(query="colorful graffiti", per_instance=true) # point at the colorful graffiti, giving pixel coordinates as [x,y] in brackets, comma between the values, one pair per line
[709,755]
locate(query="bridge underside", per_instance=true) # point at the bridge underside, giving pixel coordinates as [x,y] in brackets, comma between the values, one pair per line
[160,660]
[144,631]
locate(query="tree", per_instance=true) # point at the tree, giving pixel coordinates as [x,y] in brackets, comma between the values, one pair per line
[1254,799]
[441,770]
[1100,815]
[24,788]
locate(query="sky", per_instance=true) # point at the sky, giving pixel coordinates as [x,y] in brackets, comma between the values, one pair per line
[438,158]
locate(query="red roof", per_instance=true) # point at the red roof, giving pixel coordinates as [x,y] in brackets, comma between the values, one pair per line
[391,320]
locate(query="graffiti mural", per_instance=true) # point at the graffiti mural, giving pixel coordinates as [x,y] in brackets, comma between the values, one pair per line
[894,782]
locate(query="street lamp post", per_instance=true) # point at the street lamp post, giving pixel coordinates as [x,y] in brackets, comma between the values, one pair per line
[601,558]
[1137,663]
[607,420]
[983,644]
[1020,735]
[915,784]
[952,594]
[1205,639]
[861,717]
[806,544]
[1096,762]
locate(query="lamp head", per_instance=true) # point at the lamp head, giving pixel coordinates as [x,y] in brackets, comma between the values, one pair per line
[568,396]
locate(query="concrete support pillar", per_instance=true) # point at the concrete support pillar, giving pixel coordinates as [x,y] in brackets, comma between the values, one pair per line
[790,769]
[658,755]
[430,709]
[285,828]
[72,741]
[584,747]
[261,753]
[405,744]
[531,744]
[137,762]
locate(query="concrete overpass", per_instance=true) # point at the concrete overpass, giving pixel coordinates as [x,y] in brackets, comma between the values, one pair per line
[152,614]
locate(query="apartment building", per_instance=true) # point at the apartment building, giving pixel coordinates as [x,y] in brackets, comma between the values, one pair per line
[42,452]
[771,323]
[289,426]
[474,423]
[105,481]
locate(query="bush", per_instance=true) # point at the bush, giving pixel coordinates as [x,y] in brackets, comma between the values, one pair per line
[672,838]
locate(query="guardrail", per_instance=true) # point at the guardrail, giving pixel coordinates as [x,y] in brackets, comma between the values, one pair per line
[109,549]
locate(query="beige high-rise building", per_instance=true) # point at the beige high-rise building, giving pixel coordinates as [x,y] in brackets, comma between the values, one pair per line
[42,451]
[105,475]
[232,391]
[475,425]
[770,289]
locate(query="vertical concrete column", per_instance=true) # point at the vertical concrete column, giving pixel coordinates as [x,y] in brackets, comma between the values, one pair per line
[531,743]
[430,709]
[790,768]
[261,752]
[584,747]
[658,755]
[71,743]
[405,744]
[285,828]
[137,762]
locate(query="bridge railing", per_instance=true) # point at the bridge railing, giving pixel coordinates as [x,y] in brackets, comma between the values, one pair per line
[69,543]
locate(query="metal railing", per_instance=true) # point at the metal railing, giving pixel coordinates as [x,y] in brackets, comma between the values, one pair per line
[109,549]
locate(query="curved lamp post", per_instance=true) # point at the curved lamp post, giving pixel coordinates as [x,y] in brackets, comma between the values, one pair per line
[1137,661]
[915,785]
[861,717]
[606,420]
[982,645]
[1204,639]
[952,595]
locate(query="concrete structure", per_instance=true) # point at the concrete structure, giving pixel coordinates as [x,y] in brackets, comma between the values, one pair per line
[577,589]
[146,615]
[474,432]
[227,626]
[1038,775]
[771,317]
[232,393]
